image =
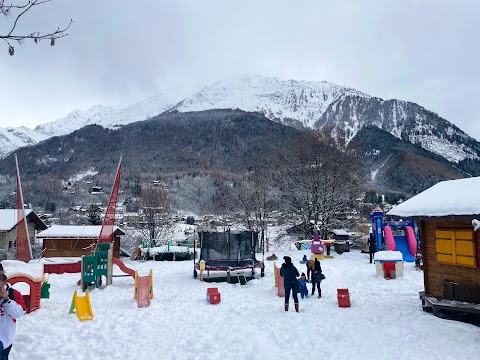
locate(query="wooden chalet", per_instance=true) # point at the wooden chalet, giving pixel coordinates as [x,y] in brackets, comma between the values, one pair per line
[75,241]
[8,229]
[450,244]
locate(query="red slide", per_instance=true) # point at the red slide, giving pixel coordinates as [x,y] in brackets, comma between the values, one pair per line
[122,267]
[143,299]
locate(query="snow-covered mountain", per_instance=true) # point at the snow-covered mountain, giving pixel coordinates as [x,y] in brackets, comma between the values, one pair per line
[106,116]
[13,138]
[321,105]
[341,110]
[288,101]
[405,120]
[110,116]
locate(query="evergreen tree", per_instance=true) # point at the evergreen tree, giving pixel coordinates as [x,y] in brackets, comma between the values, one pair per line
[93,216]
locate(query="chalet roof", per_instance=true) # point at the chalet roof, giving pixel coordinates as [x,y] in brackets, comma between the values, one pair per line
[447,198]
[9,219]
[340,232]
[75,231]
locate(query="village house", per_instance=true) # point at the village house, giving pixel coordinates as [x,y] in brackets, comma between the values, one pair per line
[8,229]
[450,245]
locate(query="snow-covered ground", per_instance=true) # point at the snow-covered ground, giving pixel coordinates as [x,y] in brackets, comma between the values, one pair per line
[385,320]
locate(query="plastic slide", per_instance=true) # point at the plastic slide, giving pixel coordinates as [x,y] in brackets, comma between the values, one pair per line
[143,297]
[389,240]
[402,246]
[122,267]
[82,307]
[411,240]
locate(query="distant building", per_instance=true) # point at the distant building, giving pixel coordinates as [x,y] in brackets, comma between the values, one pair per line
[8,229]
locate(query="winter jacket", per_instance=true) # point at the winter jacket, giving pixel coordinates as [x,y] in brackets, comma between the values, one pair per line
[317,270]
[10,310]
[304,283]
[372,244]
[289,274]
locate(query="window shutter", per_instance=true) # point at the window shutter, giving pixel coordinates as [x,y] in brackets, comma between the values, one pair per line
[445,246]
[456,247]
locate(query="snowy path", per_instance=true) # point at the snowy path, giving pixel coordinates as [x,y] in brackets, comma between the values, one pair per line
[385,321]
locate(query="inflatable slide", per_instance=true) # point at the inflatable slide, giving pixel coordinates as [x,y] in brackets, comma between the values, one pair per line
[406,244]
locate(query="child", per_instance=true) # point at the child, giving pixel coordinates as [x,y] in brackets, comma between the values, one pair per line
[304,260]
[303,280]
[418,259]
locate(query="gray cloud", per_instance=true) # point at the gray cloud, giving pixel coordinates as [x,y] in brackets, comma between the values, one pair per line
[122,51]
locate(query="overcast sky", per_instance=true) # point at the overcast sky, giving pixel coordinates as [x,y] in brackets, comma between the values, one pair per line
[119,52]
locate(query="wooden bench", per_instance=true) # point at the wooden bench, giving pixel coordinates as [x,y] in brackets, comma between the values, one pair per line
[433,304]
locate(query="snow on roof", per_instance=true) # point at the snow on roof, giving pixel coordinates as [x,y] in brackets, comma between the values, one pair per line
[454,197]
[15,267]
[388,256]
[9,218]
[82,231]
[339,232]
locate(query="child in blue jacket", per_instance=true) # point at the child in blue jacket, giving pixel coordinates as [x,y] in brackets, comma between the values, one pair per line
[303,280]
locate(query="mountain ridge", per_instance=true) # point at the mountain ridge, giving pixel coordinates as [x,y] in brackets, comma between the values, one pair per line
[298,103]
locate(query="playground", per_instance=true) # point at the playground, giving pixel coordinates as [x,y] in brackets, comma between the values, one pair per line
[385,319]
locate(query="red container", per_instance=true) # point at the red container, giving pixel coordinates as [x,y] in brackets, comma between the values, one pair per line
[388,266]
[213,296]
[343,298]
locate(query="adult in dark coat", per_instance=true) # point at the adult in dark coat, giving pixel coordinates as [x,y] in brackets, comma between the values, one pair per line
[372,246]
[289,274]
[317,277]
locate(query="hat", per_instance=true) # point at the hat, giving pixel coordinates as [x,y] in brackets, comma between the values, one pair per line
[288,259]
[303,274]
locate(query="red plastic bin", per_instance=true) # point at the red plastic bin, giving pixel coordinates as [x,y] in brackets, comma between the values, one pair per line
[213,296]
[388,267]
[343,298]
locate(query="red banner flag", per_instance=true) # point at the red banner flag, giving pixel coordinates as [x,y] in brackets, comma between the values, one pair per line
[24,248]
[108,222]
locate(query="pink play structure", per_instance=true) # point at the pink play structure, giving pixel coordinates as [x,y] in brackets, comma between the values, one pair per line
[400,243]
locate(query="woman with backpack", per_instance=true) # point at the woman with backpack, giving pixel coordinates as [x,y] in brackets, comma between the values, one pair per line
[289,274]
[317,277]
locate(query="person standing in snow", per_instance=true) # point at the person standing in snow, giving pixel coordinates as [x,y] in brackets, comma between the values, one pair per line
[289,274]
[12,307]
[310,265]
[317,278]
[372,246]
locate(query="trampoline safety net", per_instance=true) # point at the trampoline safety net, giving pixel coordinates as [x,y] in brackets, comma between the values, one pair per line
[228,248]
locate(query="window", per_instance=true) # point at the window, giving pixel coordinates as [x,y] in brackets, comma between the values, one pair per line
[456,247]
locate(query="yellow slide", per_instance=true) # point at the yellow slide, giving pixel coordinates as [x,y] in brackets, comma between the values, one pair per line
[81,306]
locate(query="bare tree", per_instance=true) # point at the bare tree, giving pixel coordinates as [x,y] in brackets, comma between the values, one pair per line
[156,205]
[257,197]
[322,182]
[15,11]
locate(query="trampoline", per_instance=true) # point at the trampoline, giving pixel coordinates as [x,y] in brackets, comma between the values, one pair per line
[230,251]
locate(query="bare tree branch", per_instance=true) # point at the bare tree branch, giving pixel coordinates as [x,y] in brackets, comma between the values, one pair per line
[6,10]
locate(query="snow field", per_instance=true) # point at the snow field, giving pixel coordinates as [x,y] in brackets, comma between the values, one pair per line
[384,321]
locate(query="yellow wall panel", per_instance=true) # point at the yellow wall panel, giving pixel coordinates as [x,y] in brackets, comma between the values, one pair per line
[444,246]
[445,258]
[464,248]
[465,260]
[444,234]
[464,235]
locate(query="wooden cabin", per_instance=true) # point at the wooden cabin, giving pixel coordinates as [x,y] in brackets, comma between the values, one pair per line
[8,229]
[450,245]
[75,241]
